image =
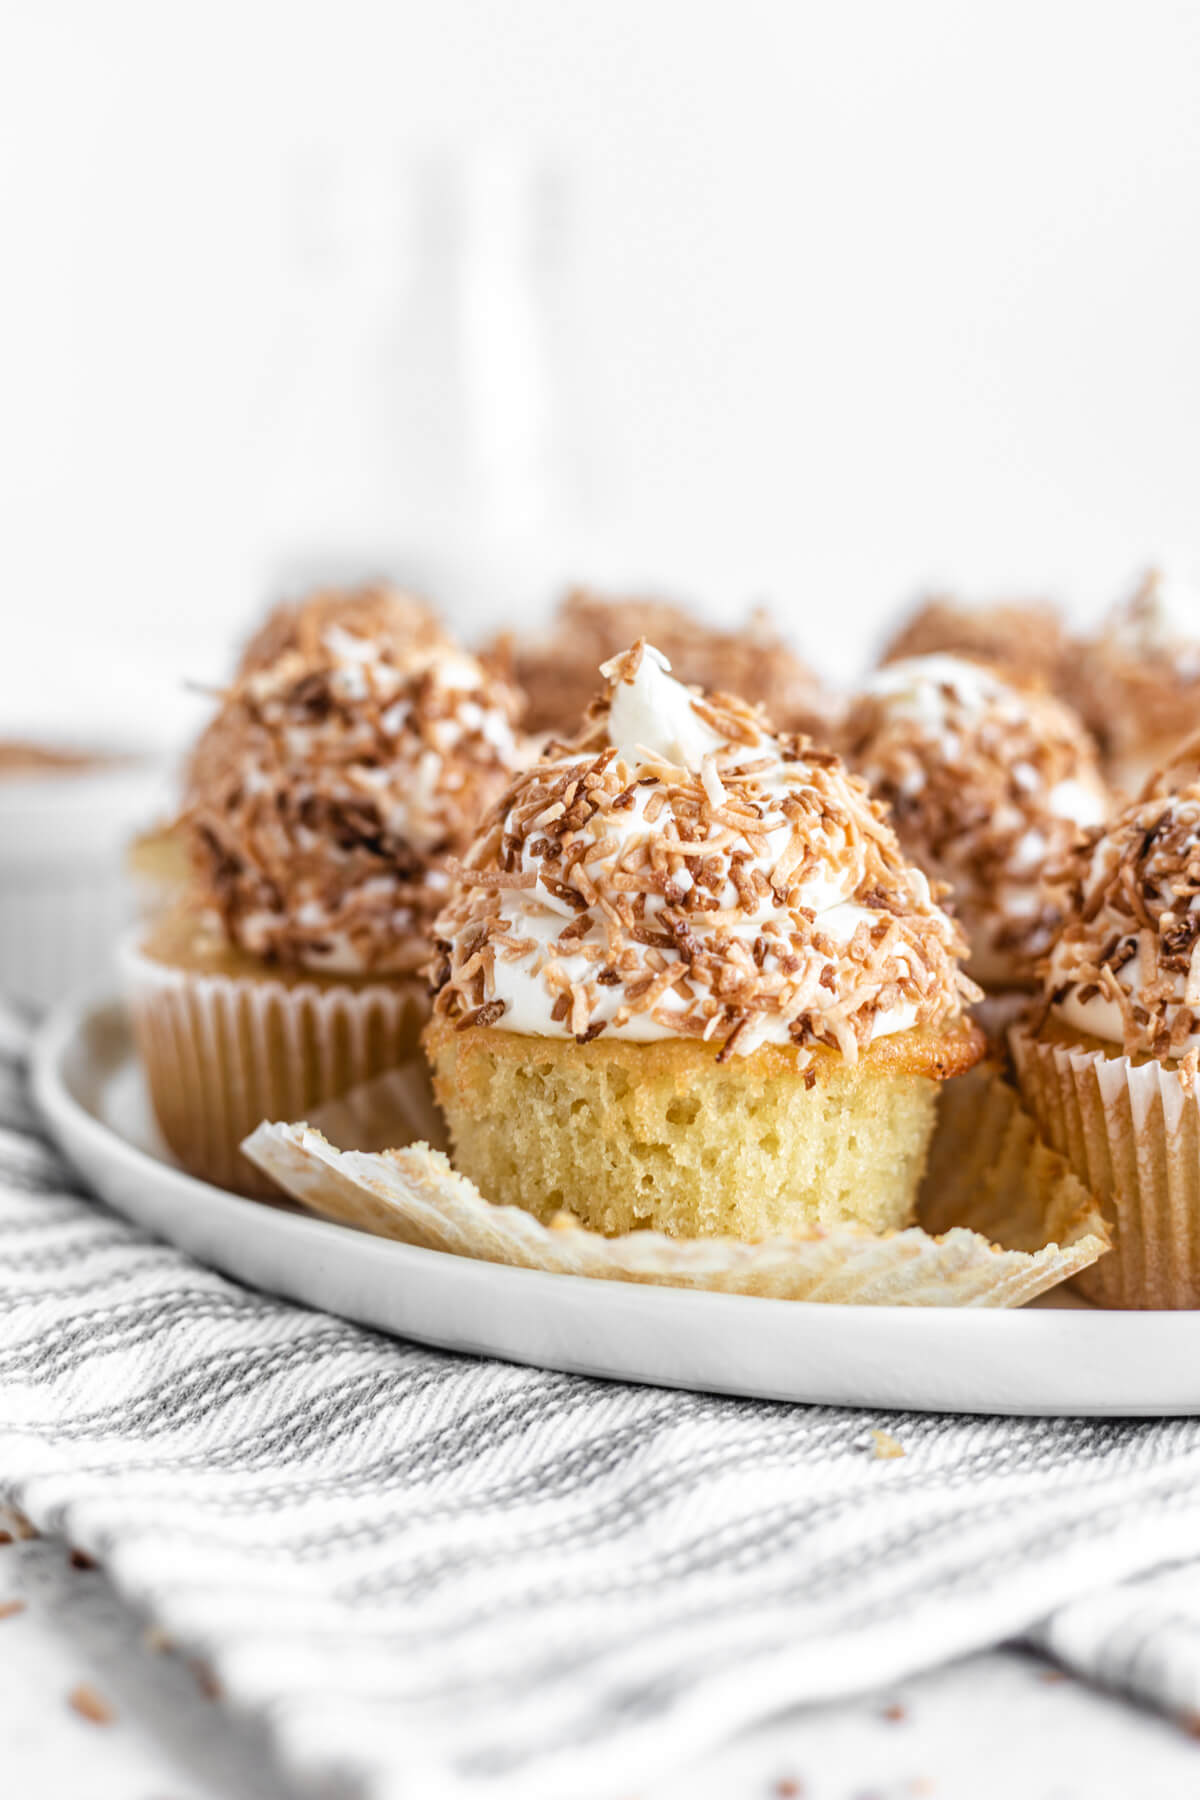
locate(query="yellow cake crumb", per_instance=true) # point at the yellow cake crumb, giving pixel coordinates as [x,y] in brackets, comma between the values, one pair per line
[626,1136]
[885,1446]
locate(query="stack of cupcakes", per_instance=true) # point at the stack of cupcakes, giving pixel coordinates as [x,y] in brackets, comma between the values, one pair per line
[688,977]
[695,1012]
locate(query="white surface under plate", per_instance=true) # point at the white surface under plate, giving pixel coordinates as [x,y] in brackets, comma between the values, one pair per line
[1049,1358]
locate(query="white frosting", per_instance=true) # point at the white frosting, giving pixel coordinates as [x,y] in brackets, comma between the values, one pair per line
[1162,619]
[653,714]
[412,789]
[939,695]
[957,710]
[1082,801]
[924,688]
[1100,1015]
[930,690]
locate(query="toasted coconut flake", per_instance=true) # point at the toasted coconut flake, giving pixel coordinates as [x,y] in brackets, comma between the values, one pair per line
[1133,934]
[730,872]
[558,673]
[990,789]
[343,769]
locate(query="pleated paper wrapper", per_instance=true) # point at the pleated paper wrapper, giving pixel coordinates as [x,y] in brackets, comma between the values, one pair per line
[1131,1133]
[1002,1217]
[221,1052]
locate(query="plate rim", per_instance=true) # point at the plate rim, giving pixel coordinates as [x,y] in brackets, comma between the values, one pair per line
[63,1029]
[1052,1362]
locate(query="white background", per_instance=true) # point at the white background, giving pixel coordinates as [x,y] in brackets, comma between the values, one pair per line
[847,297]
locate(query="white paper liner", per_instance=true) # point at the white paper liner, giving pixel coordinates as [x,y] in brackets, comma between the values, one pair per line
[413,1194]
[222,1052]
[1131,1133]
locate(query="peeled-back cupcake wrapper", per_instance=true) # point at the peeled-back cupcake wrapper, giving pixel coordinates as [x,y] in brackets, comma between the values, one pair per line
[1012,1220]
[222,1052]
[1131,1132]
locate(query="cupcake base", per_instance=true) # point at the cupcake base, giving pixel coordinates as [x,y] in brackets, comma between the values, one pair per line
[625,1136]
[1131,1132]
[1010,1218]
[224,1043]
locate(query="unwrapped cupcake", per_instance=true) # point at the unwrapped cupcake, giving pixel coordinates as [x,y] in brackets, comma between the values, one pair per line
[1109,1068]
[989,787]
[324,801]
[688,981]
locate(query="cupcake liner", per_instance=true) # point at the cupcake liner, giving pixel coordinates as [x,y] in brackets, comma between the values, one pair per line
[1131,1132]
[222,1052]
[1004,1239]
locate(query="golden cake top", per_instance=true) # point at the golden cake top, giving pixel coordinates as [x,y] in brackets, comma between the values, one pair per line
[558,672]
[1126,965]
[989,787]
[678,870]
[330,788]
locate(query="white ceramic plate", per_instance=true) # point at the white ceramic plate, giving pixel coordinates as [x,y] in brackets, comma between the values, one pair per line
[1049,1358]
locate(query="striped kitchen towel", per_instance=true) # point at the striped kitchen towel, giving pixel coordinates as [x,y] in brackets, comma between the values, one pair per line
[431,1575]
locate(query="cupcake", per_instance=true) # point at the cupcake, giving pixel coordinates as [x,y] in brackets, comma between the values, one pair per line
[1025,639]
[687,980]
[1136,683]
[1108,1064]
[385,615]
[324,801]
[989,787]
[557,672]
[157,861]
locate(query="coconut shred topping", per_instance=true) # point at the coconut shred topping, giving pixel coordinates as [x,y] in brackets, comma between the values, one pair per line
[1023,637]
[1160,624]
[333,784]
[384,615]
[989,787]
[679,871]
[557,671]
[1127,966]
[1137,682]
